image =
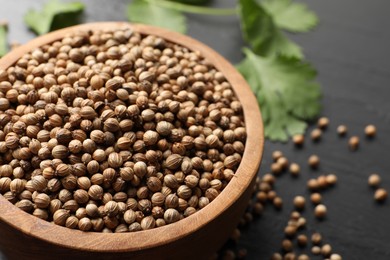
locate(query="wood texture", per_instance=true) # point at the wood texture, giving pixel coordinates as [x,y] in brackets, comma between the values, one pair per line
[196,236]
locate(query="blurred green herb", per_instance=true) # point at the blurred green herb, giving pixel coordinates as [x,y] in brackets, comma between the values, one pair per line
[294,17]
[146,12]
[53,15]
[262,34]
[3,38]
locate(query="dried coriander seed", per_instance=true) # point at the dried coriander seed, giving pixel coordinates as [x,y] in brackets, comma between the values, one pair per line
[298,139]
[320,211]
[295,169]
[342,130]
[380,195]
[374,180]
[316,198]
[323,122]
[370,131]
[313,161]
[299,202]
[316,238]
[353,143]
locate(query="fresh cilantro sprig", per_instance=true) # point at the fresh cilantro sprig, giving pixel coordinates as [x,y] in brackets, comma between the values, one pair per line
[286,91]
[284,84]
[54,15]
[3,38]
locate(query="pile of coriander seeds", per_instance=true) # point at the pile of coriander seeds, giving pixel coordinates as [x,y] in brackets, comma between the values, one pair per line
[114,131]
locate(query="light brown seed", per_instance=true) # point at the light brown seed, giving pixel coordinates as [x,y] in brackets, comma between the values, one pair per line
[316,238]
[316,198]
[335,257]
[380,195]
[276,155]
[314,161]
[331,179]
[353,143]
[370,131]
[323,122]
[298,139]
[342,130]
[320,211]
[374,180]
[295,169]
[316,134]
[299,202]
[326,250]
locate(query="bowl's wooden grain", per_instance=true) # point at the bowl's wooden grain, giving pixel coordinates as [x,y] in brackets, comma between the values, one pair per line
[23,236]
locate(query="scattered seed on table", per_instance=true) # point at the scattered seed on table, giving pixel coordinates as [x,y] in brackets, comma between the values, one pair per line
[271,195]
[316,198]
[303,257]
[301,222]
[331,179]
[312,184]
[380,195]
[278,202]
[316,238]
[229,255]
[320,211]
[322,183]
[302,240]
[298,139]
[335,257]
[258,208]
[276,155]
[299,202]
[314,161]
[242,253]
[295,215]
[295,169]
[326,250]
[323,123]
[261,196]
[342,130]
[353,143]
[316,134]
[276,256]
[236,234]
[290,256]
[276,168]
[283,162]
[316,250]
[374,180]
[370,131]
[269,178]
[290,230]
[287,245]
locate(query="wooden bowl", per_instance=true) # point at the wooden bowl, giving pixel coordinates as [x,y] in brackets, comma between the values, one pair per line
[23,236]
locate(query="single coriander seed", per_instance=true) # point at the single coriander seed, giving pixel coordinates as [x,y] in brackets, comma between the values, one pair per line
[370,131]
[353,143]
[380,195]
[374,180]
[320,211]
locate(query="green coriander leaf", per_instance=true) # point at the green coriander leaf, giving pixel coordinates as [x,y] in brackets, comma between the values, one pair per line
[3,39]
[142,11]
[294,17]
[286,92]
[54,15]
[261,32]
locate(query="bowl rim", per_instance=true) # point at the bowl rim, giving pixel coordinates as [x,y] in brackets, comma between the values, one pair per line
[125,242]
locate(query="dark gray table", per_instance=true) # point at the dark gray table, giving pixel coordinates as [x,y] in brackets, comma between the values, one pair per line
[350,48]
